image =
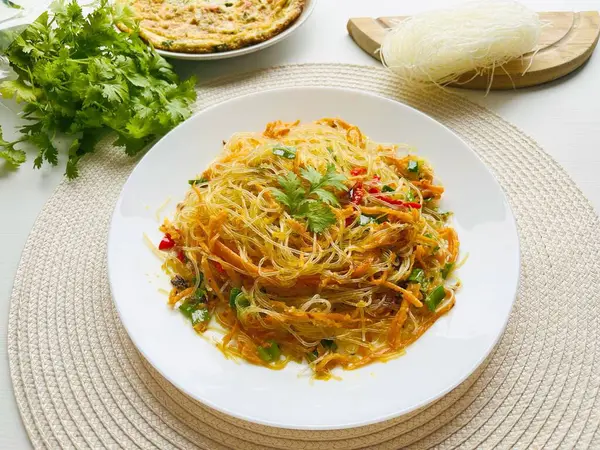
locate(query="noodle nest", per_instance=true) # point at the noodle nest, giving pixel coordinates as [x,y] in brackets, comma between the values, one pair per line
[312,243]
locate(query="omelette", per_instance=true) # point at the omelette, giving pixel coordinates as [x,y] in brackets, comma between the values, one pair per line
[208,26]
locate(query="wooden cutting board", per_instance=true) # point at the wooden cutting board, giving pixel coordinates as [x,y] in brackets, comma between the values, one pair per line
[565,44]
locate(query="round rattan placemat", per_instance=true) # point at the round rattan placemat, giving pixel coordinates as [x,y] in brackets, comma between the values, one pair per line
[80,382]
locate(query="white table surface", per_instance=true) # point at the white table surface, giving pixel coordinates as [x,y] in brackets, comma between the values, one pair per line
[563,116]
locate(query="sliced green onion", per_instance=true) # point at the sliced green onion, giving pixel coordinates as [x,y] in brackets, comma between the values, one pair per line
[187,309]
[269,353]
[387,188]
[410,196]
[198,181]
[264,354]
[233,295]
[310,357]
[199,295]
[241,301]
[285,151]
[329,344]
[447,269]
[365,220]
[413,166]
[417,275]
[274,350]
[200,315]
[435,297]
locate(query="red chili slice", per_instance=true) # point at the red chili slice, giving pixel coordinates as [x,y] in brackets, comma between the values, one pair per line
[358,171]
[393,201]
[219,268]
[167,243]
[181,256]
[357,193]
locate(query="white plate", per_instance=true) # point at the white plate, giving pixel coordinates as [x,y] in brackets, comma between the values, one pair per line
[443,357]
[307,11]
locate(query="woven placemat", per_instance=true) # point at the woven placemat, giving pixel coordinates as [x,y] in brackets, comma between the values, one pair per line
[80,382]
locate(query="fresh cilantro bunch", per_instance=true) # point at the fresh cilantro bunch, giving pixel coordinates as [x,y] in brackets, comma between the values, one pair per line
[312,203]
[82,77]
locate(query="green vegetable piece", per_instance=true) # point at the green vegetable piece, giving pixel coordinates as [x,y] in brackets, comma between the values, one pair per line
[264,354]
[233,294]
[187,309]
[200,315]
[199,295]
[310,357]
[329,344]
[447,269]
[387,188]
[285,151]
[198,181]
[413,166]
[242,301]
[417,275]
[269,352]
[228,4]
[365,220]
[410,196]
[274,350]
[435,297]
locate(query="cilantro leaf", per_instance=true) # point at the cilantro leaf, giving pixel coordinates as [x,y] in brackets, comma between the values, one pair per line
[12,156]
[312,205]
[47,150]
[18,90]
[318,216]
[293,193]
[326,197]
[81,77]
[330,178]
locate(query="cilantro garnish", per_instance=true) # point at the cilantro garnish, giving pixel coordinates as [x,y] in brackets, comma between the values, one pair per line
[81,77]
[312,203]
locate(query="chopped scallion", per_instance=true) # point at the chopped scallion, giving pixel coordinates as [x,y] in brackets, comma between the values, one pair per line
[233,295]
[200,315]
[417,275]
[264,354]
[269,352]
[413,166]
[285,151]
[387,188]
[435,297]
[198,181]
[329,344]
[365,220]
[312,356]
[447,269]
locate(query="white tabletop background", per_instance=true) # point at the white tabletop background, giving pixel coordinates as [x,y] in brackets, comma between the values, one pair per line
[563,116]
